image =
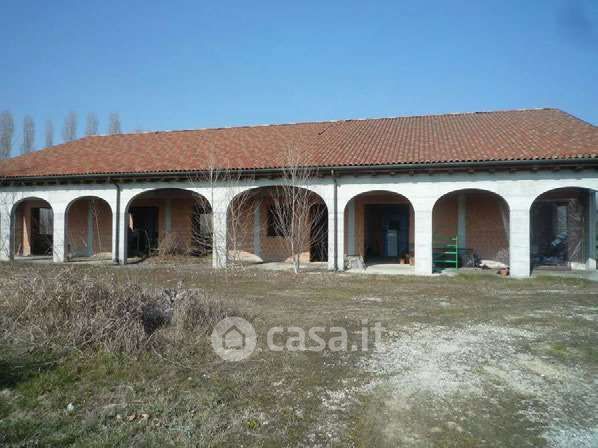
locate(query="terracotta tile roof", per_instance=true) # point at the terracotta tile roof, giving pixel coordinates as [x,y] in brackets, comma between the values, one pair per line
[469,137]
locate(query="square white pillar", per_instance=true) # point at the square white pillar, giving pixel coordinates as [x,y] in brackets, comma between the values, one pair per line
[351,228]
[121,237]
[257,230]
[168,216]
[462,220]
[116,231]
[423,241]
[90,227]
[519,242]
[59,235]
[219,236]
[339,240]
[5,234]
[591,231]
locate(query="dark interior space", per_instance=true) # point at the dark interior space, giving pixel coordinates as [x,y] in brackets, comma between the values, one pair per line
[318,248]
[201,236]
[143,232]
[558,234]
[42,232]
[386,232]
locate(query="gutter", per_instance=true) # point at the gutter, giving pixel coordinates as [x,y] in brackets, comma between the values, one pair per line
[338,169]
[117,230]
[335,211]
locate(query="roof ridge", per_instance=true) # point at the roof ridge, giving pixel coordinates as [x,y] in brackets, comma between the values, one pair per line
[334,121]
[220,128]
[521,134]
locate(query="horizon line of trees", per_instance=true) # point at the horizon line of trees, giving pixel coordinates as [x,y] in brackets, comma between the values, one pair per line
[10,141]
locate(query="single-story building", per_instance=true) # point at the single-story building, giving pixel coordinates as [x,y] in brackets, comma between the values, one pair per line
[508,187]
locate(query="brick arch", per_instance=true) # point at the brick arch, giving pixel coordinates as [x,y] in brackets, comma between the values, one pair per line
[346,201]
[24,227]
[176,226]
[29,198]
[248,231]
[562,227]
[88,227]
[354,216]
[250,190]
[88,197]
[191,191]
[568,186]
[479,218]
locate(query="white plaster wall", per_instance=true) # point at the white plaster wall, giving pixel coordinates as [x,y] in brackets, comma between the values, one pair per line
[219,195]
[519,190]
[59,197]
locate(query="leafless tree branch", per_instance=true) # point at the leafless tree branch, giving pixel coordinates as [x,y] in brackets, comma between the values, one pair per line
[114,126]
[296,209]
[7,130]
[91,125]
[69,132]
[49,133]
[28,135]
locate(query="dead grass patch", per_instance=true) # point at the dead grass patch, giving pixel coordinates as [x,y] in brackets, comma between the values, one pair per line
[74,311]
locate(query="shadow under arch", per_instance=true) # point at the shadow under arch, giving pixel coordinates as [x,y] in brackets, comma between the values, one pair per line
[563,229]
[379,228]
[256,230]
[31,228]
[168,221]
[88,227]
[471,228]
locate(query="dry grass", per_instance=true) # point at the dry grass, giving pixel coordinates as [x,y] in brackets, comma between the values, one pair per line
[173,244]
[73,311]
[466,361]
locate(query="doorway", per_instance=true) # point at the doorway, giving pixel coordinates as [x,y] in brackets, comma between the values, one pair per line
[318,242]
[386,231]
[143,230]
[42,232]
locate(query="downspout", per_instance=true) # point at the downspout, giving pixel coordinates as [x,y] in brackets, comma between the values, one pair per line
[335,211]
[117,230]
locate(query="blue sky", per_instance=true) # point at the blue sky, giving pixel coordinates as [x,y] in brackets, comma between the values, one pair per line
[184,65]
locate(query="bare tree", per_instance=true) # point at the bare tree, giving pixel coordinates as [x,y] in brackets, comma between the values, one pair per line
[7,130]
[28,135]
[114,124]
[91,126]
[7,200]
[78,237]
[224,184]
[69,132]
[297,211]
[240,212]
[49,133]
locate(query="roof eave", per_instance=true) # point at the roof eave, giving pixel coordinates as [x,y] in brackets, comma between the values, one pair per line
[411,168]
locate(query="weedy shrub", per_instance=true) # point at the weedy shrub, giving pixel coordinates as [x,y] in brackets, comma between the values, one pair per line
[71,311]
[173,244]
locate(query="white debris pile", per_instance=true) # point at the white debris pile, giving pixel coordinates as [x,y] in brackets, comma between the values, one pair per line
[484,362]
[442,360]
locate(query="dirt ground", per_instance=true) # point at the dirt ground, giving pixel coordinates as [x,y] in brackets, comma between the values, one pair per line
[467,361]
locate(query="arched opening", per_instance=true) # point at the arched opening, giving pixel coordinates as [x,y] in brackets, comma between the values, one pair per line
[470,229]
[32,228]
[168,222]
[88,229]
[277,224]
[563,229]
[379,229]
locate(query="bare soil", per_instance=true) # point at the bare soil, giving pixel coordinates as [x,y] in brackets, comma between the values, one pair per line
[467,361]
